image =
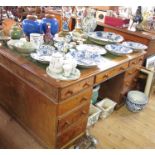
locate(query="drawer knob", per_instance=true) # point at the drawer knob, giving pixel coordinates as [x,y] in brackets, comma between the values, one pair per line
[134,63]
[135,80]
[130,73]
[68,93]
[83,112]
[106,76]
[127,84]
[83,99]
[122,68]
[86,85]
[67,123]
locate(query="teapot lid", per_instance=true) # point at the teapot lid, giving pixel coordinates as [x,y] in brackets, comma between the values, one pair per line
[31,17]
[50,16]
[57,55]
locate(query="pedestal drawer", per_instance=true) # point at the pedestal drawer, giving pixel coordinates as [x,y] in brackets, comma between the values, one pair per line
[75,101]
[137,62]
[71,90]
[73,132]
[80,113]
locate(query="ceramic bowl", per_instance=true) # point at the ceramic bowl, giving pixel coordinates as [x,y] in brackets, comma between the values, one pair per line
[24,47]
[134,45]
[103,38]
[136,100]
[118,49]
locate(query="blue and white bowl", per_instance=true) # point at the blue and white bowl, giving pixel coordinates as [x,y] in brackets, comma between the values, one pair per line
[136,100]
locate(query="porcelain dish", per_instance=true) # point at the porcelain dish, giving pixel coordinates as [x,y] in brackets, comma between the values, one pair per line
[103,38]
[119,50]
[85,59]
[134,45]
[92,48]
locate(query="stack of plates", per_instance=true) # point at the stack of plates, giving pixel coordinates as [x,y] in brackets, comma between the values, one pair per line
[136,100]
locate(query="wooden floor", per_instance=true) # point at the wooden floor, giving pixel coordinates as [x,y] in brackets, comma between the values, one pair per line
[123,129]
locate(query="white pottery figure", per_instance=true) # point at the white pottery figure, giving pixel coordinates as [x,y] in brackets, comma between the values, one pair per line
[89,22]
[56,64]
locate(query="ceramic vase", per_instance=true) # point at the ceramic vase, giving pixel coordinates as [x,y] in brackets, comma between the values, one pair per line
[31,25]
[53,23]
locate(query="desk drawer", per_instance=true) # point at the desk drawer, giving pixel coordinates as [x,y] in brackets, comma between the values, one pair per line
[71,133]
[75,101]
[73,89]
[137,62]
[78,114]
[110,73]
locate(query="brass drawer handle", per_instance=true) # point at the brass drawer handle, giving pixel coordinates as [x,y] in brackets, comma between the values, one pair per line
[67,123]
[122,68]
[127,84]
[83,99]
[134,63]
[86,85]
[83,112]
[130,73]
[105,76]
[68,93]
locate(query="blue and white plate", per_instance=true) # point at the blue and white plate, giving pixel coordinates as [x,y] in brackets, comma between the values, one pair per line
[92,48]
[118,49]
[45,50]
[134,45]
[85,59]
[104,38]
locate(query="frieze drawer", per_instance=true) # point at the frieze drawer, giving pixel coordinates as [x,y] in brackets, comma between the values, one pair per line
[73,89]
[108,74]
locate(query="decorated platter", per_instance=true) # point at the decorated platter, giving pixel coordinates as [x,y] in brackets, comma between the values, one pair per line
[118,49]
[92,48]
[103,38]
[134,45]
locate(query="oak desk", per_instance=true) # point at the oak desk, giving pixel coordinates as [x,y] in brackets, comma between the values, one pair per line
[56,112]
[146,38]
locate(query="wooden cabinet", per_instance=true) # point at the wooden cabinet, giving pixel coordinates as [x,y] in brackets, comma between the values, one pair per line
[138,36]
[56,112]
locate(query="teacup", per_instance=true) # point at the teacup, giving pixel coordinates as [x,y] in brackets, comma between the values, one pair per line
[37,39]
[67,69]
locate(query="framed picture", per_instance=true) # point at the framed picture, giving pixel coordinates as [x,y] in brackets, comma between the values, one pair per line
[150,63]
[149,74]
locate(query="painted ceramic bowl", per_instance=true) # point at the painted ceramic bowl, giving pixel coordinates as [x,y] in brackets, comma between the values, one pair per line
[134,45]
[103,38]
[136,100]
[118,49]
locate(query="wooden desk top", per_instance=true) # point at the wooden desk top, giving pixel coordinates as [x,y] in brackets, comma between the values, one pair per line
[142,34]
[109,61]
